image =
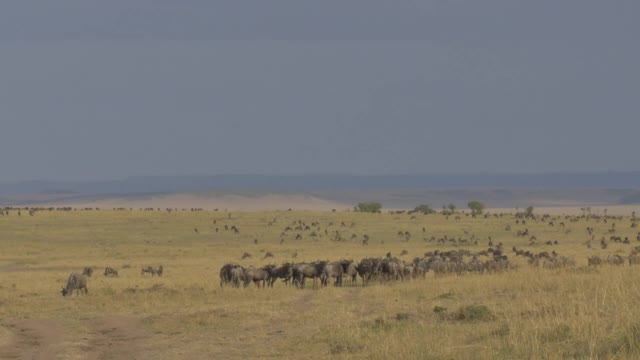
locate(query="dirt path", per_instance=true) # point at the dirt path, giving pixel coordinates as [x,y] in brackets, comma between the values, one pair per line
[104,338]
[33,339]
[113,337]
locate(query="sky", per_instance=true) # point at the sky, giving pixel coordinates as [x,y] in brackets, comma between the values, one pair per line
[94,89]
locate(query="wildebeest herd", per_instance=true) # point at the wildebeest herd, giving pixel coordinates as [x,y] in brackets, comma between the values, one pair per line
[384,269]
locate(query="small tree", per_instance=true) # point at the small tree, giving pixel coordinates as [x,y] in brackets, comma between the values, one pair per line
[476,207]
[452,208]
[424,208]
[370,207]
[529,211]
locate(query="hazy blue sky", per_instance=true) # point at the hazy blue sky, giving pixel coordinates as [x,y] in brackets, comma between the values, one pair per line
[107,89]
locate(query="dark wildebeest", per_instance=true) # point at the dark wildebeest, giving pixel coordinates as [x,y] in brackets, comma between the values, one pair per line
[594,261]
[283,272]
[256,275]
[87,271]
[109,271]
[226,275]
[367,269]
[331,270]
[76,282]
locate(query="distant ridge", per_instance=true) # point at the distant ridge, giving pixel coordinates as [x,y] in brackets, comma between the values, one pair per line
[302,183]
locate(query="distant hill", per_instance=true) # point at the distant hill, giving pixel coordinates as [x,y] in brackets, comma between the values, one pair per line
[170,184]
[394,191]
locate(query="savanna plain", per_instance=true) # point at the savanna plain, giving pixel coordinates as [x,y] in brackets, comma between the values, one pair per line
[519,312]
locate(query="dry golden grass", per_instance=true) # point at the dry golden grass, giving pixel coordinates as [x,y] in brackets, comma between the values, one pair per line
[526,313]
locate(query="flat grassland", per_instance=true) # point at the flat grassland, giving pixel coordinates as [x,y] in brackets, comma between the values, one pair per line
[526,313]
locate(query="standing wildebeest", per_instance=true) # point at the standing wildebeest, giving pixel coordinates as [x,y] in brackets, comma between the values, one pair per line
[634,259]
[109,271]
[367,269]
[237,276]
[226,276]
[76,282]
[350,270]
[594,261]
[332,270]
[304,270]
[87,271]
[283,272]
[256,275]
[615,260]
[152,271]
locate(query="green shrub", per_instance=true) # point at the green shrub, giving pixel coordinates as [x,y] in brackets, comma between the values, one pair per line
[370,207]
[424,208]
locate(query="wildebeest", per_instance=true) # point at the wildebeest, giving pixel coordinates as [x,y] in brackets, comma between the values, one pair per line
[237,276]
[76,282]
[367,269]
[350,270]
[87,271]
[594,261]
[615,260]
[109,271]
[332,270]
[634,259]
[283,272]
[256,275]
[152,271]
[304,270]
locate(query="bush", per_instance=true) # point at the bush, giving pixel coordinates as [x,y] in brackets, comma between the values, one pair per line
[424,208]
[474,313]
[370,207]
[469,313]
[476,207]
[529,211]
[439,309]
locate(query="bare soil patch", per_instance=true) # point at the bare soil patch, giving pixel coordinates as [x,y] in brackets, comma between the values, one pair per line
[33,339]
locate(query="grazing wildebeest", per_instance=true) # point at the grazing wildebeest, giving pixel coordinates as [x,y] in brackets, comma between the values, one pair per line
[634,259]
[615,260]
[76,282]
[594,261]
[255,275]
[109,271]
[332,270]
[87,271]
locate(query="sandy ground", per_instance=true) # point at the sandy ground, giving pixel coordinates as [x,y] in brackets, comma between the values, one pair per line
[229,202]
[576,210]
[295,202]
[112,337]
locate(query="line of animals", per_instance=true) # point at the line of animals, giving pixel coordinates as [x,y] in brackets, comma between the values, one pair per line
[554,261]
[78,282]
[384,269]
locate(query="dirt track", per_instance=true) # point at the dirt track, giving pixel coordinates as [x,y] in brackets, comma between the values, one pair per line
[102,338]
